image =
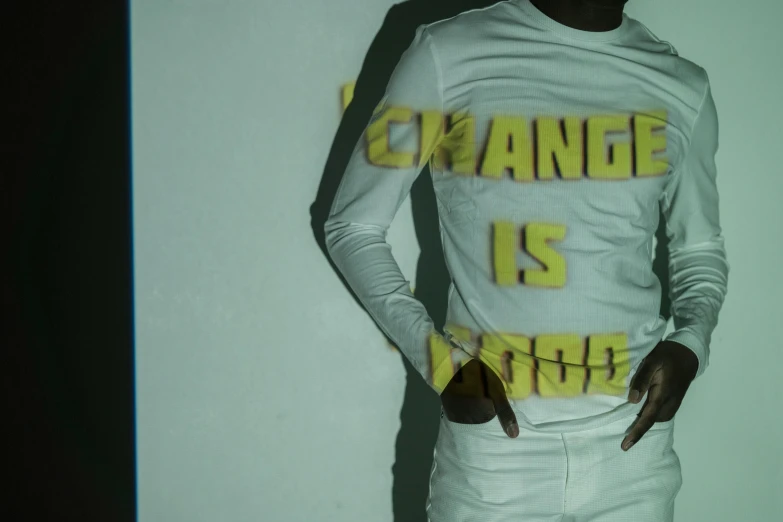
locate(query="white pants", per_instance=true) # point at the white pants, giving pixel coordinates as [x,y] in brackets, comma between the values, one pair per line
[480,474]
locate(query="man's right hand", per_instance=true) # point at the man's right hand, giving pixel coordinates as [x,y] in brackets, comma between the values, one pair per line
[475,395]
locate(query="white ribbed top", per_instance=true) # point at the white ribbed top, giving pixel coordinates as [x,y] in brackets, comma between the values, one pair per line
[563,144]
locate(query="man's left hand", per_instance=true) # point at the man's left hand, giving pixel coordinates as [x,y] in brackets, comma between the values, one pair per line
[667,373]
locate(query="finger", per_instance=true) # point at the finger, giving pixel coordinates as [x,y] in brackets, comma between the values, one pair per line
[647,418]
[507,418]
[637,432]
[505,413]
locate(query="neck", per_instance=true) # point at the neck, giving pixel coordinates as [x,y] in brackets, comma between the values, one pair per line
[585,15]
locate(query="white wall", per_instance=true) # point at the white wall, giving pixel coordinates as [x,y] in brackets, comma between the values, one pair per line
[263,391]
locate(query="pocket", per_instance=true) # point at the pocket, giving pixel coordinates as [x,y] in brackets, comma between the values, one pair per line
[658,428]
[665,467]
[663,425]
[463,426]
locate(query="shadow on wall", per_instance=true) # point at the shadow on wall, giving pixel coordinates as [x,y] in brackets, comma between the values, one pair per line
[420,415]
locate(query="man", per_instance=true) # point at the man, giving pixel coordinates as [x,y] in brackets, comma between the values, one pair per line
[554,131]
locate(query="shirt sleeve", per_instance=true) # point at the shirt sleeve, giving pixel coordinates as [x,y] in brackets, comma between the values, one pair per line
[698,268]
[386,160]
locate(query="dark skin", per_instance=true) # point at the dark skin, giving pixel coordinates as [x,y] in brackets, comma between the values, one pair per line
[476,394]
[585,15]
[666,373]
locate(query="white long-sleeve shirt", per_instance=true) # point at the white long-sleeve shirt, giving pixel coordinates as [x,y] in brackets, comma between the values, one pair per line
[550,150]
